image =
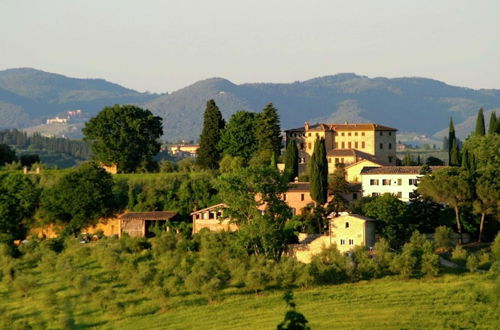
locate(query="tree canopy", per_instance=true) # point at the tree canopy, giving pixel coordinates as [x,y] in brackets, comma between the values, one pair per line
[318,173]
[292,160]
[7,154]
[79,198]
[238,138]
[480,126]
[213,123]
[125,135]
[268,131]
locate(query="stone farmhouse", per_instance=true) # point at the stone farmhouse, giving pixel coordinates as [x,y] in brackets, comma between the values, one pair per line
[346,143]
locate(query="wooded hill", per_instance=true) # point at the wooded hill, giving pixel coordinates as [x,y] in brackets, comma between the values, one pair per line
[410,104]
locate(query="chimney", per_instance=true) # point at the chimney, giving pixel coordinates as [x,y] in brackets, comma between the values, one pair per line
[306,125]
[346,122]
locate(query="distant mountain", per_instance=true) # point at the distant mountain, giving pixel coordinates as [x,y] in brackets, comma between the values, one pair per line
[420,105]
[28,96]
[464,129]
[409,104]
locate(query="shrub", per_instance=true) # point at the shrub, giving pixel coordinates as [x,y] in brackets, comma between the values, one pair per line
[495,248]
[383,257]
[24,284]
[430,264]
[472,263]
[459,255]
[329,267]
[443,238]
[404,264]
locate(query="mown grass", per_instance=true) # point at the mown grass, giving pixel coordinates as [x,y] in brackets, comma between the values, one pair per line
[448,301]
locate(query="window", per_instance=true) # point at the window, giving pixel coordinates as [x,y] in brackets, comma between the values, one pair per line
[412,182]
[347,224]
[284,197]
[356,145]
[381,133]
[329,160]
[355,133]
[354,196]
[351,242]
[349,134]
[349,145]
[302,197]
[343,145]
[308,134]
[390,133]
[342,241]
[336,160]
[342,160]
[375,194]
[317,135]
[390,145]
[400,194]
[294,211]
[342,133]
[362,133]
[390,159]
[336,145]
[381,146]
[373,182]
[302,146]
[400,182]
[386,182]
[363,145]
[309,145]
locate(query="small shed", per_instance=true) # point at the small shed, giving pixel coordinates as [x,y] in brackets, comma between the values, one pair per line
[140,224]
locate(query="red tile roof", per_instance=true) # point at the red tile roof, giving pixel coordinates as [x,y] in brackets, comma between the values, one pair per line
[396,169]
[344,127]
[155,215]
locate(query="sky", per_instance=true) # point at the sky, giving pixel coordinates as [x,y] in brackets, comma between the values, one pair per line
[162,46]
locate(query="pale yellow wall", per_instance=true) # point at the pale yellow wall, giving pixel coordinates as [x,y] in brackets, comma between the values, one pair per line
[345,160]
[354,171]
[346,139]
[355,232]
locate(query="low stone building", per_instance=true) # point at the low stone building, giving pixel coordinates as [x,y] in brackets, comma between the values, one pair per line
[212,219]
[141,224]
[350,230]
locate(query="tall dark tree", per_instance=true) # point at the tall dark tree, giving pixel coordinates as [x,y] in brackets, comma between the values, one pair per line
[451,140]
[318,173]
[454,154]
[125,135]
[213,124]
[292,160]
[268,133]
[238,137]
[338,187]
[492,128]
[480,127]
[7,154]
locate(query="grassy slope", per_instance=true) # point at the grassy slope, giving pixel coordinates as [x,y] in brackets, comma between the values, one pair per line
[447,301]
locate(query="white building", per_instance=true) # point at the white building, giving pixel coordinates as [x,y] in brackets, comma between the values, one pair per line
[401,181]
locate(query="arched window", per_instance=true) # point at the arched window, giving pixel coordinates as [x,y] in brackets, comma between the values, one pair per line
[347,224]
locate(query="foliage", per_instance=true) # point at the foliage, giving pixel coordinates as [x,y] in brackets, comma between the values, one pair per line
[487,192]
[493,125]
[7,154]
[292,160]
[450,186]
[484,149]
[230,164]
[434,161]
[213,123]
[443,238]
[125,135]
[417,258]
[268,131]
[480,126]
[79,198]
[238,137]
[19,197]
[318,172]
[293,319]
[338,187]
[459,255]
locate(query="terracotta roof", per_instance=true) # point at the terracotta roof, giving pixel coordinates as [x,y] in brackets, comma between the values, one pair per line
[299,186]
[212,207]
[396,169]
[352,153]
[155,215]
[354,216]
[344,127]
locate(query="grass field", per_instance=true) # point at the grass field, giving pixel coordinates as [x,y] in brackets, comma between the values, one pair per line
[449,301]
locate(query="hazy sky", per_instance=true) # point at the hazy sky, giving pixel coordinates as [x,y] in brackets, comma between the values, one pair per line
[165,45]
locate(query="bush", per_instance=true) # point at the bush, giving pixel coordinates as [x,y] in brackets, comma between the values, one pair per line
[329,267]
[472,263]
[459,255]
[495,248]
[443,238]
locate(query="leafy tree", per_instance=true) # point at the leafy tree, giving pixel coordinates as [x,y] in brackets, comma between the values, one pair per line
[450,186]
[79,198]
[293,319]
[392,216]
[18,200]
[318,171]
[268,131]
[125,135]
[484,150]
[292,160]
[7,155]
[213,124]
[487,200]
[480,127]
[238,138]
[492,128]
[338,187]
[230,164]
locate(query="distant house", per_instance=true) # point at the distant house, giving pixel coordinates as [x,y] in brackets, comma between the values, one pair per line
[184,149]
[212,219]
[350,230]
[298,196]
[401,181]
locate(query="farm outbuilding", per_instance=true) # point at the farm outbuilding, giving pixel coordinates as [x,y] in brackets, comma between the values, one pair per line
[140,224]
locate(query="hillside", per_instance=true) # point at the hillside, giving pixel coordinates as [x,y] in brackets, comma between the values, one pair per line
[418,105]
[29,96]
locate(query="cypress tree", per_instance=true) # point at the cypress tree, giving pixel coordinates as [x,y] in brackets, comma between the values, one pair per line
[213,123]
[268,131]
[480,127]
[454,154]
[451,140]
[465,160]
[493,123]
[318,172]
[292,160]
